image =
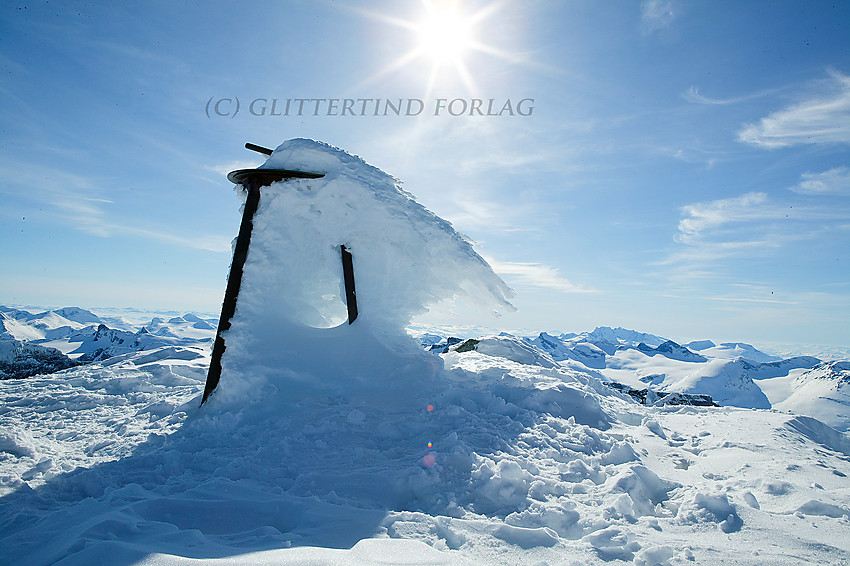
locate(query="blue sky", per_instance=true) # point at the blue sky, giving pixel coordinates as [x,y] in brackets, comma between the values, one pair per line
[683,168]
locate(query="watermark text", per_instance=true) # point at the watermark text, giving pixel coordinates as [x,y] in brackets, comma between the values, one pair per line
[230,107]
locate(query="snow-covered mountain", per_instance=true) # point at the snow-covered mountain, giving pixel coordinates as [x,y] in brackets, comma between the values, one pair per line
[52,340]
[822,392]
[730,373]
[35,343]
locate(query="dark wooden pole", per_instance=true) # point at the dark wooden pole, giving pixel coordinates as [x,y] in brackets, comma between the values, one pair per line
[348,280]
[252,180]
[234,282]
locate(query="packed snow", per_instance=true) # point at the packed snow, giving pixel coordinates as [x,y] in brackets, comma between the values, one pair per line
[376,443]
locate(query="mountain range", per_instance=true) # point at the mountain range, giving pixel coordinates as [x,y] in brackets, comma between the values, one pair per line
[730,373]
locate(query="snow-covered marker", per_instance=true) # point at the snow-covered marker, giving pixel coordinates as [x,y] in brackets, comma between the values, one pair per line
[252,180]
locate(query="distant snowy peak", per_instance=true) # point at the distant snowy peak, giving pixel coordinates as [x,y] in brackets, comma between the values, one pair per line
[85,337]
[838,373]
[76,314]
[726,382]
[186,326]
[622,336]
[103,342]
[823,393]
[197,322]
[768,370]
[508,347]
[732,350]
[588,354]
[699,345]
[13,329]
[672,350]
[19,359]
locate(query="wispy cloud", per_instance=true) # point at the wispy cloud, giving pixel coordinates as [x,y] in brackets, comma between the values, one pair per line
[823,118]
[657,14]
[752,300]
[694,95]
[704,216]
[536,275]
[481,213]
[835,181]
[747,225]
[78,201]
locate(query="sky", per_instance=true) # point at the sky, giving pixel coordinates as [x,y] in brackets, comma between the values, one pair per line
[675,167]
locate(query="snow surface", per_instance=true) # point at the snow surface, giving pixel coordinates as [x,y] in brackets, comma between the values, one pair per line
[332,444]
[500,462]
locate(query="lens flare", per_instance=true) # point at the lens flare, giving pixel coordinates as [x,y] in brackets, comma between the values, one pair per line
[429,459]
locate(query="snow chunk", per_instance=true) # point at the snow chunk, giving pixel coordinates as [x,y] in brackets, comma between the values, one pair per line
[814,507]
[717,508]
[527,538]
[654,556]
[18,443]
[644,488]
[613,544]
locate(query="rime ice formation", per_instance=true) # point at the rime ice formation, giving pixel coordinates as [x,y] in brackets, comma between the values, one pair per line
[288,331]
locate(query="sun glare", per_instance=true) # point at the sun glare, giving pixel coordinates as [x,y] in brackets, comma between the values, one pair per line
[445,35]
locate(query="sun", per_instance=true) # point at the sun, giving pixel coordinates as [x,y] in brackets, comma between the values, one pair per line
[444,35]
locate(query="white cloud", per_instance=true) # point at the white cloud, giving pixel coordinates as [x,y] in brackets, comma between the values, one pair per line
[747,225]
[656,15]
[823,118]
[833,182]
[536,275]
[704,216]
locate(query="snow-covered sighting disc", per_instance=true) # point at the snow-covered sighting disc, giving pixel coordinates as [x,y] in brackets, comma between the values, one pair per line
[288,333]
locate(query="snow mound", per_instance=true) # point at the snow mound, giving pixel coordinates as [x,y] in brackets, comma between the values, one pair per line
[821,433]
[406,257]
[705,507]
